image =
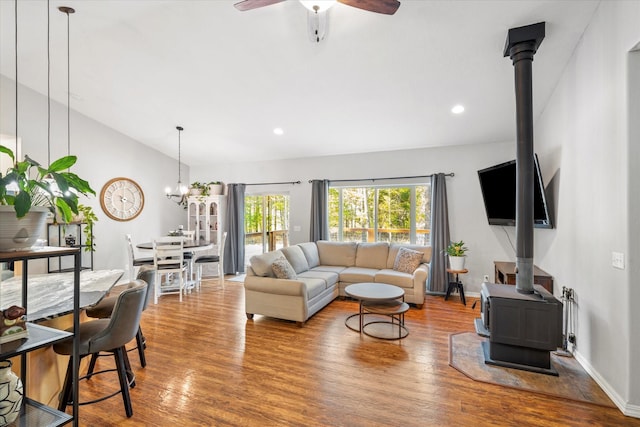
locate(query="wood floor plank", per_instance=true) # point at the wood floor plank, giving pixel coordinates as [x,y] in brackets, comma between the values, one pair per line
[210,366]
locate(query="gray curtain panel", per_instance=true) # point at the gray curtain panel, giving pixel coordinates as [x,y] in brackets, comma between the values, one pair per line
[319,227]
[234,247]
[438,276]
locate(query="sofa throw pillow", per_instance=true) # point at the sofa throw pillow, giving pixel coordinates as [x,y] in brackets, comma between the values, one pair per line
[283,270]
[407,260]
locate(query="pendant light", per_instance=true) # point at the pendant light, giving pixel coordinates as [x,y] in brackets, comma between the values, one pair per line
[180,192]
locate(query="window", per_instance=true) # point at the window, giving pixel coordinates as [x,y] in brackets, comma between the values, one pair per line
[383,213]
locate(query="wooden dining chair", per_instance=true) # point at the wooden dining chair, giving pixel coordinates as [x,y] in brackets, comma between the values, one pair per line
[168,260]
[133,261]
[189,235]
[219,258]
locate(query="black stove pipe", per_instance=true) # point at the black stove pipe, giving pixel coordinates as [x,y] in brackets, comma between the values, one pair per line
[521,45]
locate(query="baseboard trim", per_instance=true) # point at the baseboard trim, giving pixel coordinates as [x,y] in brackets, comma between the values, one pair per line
[624,407]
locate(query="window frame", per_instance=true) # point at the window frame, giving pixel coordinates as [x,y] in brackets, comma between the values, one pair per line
[411,185]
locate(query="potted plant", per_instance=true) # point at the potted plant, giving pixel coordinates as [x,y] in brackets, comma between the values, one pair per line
[215,188]
[204,189]
[199,189]
[30,192]
[456,252]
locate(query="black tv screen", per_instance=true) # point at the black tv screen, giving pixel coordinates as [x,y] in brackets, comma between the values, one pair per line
[498,185]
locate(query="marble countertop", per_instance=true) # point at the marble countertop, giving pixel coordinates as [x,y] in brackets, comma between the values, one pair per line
[51,295]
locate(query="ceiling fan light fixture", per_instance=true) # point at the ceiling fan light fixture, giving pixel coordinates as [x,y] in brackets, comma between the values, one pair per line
[318,6]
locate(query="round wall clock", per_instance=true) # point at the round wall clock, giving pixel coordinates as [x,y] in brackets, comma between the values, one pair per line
[122,199]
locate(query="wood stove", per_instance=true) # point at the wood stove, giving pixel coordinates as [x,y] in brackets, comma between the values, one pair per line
[524,323]
[523,329]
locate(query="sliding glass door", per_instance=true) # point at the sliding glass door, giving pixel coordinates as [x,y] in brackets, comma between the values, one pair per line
[266,219]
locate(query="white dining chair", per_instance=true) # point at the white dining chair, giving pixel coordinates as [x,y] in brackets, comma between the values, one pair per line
[206,259]
[168,260]
[133,261]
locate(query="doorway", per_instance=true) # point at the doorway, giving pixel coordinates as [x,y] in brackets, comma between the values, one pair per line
[266,219]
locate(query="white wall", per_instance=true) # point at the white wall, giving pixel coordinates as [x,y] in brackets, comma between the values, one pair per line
[102,154]
[583,141]
[468,220]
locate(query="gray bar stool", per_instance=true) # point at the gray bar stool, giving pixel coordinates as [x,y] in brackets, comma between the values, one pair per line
[110,335]
[104,308]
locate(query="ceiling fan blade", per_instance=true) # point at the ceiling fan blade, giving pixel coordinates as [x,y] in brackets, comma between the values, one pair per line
[387,7]
[254,4]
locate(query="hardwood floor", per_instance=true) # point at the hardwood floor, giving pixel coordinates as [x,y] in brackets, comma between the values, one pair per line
[209,366]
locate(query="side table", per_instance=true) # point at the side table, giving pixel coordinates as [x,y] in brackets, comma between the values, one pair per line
[393,309]
[457,284]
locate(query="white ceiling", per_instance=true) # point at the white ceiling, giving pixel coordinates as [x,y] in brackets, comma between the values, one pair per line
[376,83]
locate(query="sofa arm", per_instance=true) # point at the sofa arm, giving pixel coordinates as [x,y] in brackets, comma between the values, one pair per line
[420,279]
[271,285]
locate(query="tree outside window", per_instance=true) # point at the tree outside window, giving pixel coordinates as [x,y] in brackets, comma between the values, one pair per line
[394,214]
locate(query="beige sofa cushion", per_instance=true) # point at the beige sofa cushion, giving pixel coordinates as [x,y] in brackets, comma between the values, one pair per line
[393,277]
[310,250]
[296,258]
[394,248]
[337,269]
[261,264]
[372,255]
[358,275]
[337,253]
[329,277]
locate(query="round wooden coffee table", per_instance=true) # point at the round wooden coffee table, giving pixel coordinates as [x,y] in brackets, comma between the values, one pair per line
[371,293]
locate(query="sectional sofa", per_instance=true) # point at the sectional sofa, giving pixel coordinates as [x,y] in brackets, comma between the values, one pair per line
[294,283]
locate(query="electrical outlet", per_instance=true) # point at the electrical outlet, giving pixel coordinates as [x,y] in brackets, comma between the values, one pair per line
[617,260]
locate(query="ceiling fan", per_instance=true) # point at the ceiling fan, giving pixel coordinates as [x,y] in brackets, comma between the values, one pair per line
[387,7]
[318,9]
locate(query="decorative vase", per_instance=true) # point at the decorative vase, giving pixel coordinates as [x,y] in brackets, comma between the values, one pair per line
[195,191]
[456,262]
[18,234]
[10,394]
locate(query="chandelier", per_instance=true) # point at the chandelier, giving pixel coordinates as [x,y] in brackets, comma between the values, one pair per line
[179,193]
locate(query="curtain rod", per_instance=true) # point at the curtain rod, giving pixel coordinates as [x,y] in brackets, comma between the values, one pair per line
[383,179]
[276,183]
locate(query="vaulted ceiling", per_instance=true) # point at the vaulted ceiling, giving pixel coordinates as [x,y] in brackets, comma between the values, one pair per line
[376,83]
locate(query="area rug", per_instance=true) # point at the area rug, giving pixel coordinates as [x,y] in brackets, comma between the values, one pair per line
[572,382]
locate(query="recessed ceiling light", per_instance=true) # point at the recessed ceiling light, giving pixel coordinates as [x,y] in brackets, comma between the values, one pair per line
[278,131]
[457,109]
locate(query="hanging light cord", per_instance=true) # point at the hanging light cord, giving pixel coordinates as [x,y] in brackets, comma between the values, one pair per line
[48,86]
[180,129]
[16,46]
[68,88]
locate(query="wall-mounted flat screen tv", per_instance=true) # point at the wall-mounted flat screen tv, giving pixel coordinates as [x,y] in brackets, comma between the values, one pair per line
[498,185]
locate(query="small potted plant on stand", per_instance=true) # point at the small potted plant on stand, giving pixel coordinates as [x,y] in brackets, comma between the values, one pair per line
[456,252]
[30,192]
